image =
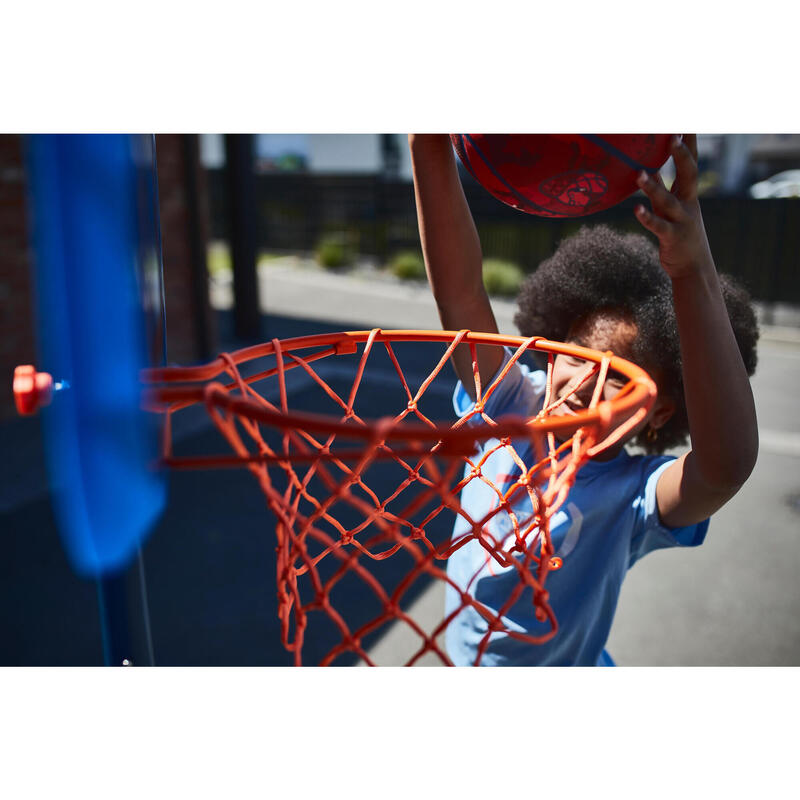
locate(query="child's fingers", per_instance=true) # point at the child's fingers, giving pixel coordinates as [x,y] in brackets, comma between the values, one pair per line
[684,154]
[656,177]
[655,224]
[690,140]
[664,203]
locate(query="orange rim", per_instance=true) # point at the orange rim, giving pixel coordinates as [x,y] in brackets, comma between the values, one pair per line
[637,395]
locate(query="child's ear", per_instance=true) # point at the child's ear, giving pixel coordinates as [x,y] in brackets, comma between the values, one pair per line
[663,409]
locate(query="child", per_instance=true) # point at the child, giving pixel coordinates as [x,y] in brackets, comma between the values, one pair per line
[665,309]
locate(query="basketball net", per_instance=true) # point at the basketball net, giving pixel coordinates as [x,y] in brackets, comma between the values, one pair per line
[317,472]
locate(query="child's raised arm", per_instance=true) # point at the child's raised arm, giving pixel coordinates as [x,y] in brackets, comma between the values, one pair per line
[452,251]
[719,400]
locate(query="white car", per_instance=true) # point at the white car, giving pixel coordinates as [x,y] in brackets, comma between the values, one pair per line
[784,184]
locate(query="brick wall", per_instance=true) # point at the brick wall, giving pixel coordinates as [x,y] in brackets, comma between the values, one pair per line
[17,342]
[190,335]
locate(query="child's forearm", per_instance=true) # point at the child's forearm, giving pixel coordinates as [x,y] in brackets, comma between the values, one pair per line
[449,239]
[719,399]
[452,251]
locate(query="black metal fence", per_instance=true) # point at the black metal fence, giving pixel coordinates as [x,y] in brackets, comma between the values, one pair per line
[757,241]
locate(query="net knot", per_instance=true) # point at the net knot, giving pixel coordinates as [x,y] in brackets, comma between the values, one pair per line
[346,537]
[412,405]
[417,533]
[540,598]
[391,609]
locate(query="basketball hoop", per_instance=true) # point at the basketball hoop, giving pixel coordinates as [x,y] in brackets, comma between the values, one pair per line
[314,469]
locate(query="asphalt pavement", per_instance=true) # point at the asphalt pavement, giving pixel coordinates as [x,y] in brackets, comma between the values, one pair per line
[733,601]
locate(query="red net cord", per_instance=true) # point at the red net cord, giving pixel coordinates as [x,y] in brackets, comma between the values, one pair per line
[333,525]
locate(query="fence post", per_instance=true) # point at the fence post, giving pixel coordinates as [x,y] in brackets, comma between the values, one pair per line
[241,209]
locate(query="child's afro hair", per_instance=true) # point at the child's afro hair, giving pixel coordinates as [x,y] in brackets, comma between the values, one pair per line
[601,270]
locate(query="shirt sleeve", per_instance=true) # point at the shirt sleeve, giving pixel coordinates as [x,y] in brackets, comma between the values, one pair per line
[651,533]
[518,393]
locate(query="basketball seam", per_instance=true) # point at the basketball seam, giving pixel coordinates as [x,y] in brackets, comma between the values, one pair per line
[619,154]
[508,186]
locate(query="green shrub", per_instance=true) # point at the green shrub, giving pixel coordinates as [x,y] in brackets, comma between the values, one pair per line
[334,251]
[264,258]
[218,259]
[408,265]
[502,277]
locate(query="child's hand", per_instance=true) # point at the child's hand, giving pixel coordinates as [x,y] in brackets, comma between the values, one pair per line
[675,217]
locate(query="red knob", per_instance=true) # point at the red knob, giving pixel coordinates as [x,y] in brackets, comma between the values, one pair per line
[32,389]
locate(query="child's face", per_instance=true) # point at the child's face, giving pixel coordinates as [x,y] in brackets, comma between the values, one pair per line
[602,331]
[599,332]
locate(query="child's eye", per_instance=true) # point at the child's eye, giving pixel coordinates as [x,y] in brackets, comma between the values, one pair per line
[616,378]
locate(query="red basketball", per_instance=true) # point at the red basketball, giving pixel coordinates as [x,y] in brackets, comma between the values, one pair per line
[561,175]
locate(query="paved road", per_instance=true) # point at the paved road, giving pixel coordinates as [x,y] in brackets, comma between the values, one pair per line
[734,601]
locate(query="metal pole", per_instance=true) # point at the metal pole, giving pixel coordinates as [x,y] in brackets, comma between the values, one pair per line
[122,596]
[124,617]
[241,199]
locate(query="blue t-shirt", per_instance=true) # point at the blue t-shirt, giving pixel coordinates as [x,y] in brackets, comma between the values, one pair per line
[608,521]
